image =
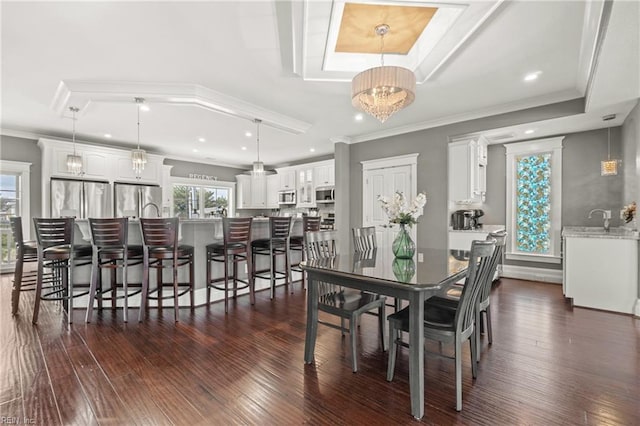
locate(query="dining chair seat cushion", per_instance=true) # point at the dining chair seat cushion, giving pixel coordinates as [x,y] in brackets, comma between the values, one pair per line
[167,252]
[263,243]
[62,252]
[114,253]
[218,247]
[348,299]
[435,317]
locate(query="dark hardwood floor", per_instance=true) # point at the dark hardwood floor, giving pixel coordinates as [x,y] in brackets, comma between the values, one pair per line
[549,365]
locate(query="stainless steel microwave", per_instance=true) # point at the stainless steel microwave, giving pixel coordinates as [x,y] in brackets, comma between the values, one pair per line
[325,194]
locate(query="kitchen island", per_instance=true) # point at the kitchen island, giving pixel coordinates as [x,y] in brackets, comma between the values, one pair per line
[198,233]
[600,268]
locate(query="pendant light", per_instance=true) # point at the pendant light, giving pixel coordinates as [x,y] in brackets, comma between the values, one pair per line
[382,91]
[138,156]
[609,167]
[74,161]
[258,166]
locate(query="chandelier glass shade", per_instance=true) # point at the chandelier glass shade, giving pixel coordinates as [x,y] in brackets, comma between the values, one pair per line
[258,166]
[138,156]
[74,161]
[382,91]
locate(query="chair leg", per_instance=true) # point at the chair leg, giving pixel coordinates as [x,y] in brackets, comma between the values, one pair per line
[353,326]
[36,305]
[125,289]
[17,283]
[393,348]
[474,355]
[69,271]
[487,313]
[272,278]
[159,279]
[458,360]
[192,281]
[476,332]
[251,279]
[93,285]
[176,303]
[145,288]
[226,283]
[208,277]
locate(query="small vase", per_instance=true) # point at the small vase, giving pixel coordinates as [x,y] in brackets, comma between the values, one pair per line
[403,246]
[403,269]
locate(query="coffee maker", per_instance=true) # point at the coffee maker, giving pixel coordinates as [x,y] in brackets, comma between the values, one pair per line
[466,219]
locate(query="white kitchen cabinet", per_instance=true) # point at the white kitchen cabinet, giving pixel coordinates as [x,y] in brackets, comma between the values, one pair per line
[273,185]
[251,192]
[152,172]
[95,164]
[468,171]
[287,179]
[306,195]
[324,174]
[600,270]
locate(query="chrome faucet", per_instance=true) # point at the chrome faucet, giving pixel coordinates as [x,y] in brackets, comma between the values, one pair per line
[151,204]
[606,215]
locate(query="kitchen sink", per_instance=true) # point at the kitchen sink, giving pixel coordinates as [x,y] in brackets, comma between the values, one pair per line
[598,231]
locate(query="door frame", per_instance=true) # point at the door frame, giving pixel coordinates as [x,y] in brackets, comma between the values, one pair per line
[388,162]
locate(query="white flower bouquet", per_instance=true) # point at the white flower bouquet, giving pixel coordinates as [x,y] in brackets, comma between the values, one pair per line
[399,211]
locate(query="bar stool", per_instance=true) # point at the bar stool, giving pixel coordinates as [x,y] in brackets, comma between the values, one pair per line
[111,251]
[26,252]
[234,248]
[309,224]
[160,243]
[56,251]
[276,245]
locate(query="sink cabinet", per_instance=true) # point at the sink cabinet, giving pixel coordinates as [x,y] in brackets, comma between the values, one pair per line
[601,271]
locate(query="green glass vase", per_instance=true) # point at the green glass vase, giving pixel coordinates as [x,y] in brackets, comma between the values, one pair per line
[403,246]
[403,269]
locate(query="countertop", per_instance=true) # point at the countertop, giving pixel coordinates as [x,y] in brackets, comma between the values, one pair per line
[617,233]
[485,229]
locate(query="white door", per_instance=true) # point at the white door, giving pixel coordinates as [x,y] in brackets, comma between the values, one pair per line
[385,181]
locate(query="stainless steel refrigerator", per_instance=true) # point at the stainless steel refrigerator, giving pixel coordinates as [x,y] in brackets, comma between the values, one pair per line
[81,199]
[137,200]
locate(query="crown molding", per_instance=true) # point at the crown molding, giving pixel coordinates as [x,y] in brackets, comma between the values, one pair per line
[80,93]
[587,71]
[467,116]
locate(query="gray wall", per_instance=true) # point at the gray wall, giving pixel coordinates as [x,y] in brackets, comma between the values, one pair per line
[431,144]
[631,156]
[184,168]
[26,150]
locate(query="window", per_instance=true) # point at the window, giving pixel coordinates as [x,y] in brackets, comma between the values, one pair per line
[14,201]
[194,200]
[534,200]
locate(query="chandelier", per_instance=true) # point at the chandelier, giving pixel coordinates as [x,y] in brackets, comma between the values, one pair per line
[138,156]
[258,166]
[74,161]
[609,167]
[382,91]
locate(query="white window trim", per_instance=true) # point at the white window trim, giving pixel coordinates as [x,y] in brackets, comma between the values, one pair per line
[205,183]
[24,169]
[539,146]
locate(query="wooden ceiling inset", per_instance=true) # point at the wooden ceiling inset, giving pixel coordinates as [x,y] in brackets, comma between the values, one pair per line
[357,29]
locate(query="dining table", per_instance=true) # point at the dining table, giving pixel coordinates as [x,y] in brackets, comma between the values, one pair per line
[430,272]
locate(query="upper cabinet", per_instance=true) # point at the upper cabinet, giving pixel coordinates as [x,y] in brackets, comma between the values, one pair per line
[287,179]
[273,185]
[306,189]
[251,192]
[324,174]
[468,171]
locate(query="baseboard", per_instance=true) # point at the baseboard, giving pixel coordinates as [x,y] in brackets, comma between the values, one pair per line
[532,274]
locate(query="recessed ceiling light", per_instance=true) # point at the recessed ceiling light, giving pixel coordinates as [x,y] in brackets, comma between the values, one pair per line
[144,108]
[359,117]
[202,140]
[528,131]
[532,76]
[244,148]
[312,150]
[195,150]
[107,135]
[248,134]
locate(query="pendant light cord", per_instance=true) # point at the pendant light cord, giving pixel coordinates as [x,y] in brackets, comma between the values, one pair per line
[73,111]
[258,121]
[609,143]
[138,106]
